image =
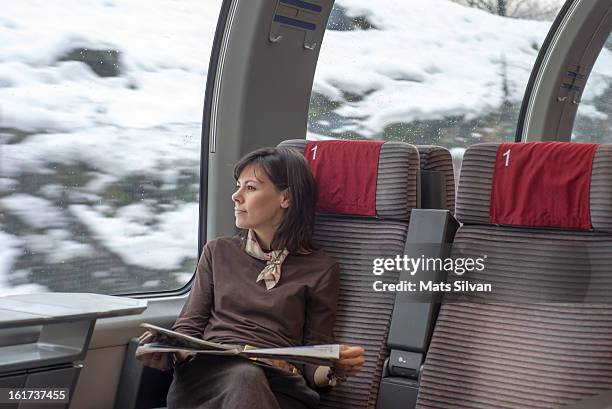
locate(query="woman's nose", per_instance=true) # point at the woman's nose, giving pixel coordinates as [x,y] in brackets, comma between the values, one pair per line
[237,197]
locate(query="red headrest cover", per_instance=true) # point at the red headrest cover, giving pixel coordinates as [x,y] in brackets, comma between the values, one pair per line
[542,184]
[346,173]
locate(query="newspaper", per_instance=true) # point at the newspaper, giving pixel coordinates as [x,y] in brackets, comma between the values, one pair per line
[166,340]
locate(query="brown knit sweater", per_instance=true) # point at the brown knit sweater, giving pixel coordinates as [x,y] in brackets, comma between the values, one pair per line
[226,305]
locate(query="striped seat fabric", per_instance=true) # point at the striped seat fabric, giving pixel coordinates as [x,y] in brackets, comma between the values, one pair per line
[364,315]
[438,159]
[548,342]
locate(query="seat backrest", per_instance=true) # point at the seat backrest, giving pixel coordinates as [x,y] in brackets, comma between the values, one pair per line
[541,213]
[355,241]
[438,159]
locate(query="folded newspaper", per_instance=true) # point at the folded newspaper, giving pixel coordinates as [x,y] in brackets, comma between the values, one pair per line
[166,340]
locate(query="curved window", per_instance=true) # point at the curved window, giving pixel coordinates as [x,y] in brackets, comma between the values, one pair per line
[427,72]
[593,121]
[100,120]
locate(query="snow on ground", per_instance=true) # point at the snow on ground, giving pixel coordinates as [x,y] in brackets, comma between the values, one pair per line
[9,250]
[164,245]
[7,184]
[430,60]
[33,211]
[144,123]
[114,152]
[41,215]
[164,52]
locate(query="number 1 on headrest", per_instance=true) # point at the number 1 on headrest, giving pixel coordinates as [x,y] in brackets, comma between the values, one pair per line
[506,154]
[314,152]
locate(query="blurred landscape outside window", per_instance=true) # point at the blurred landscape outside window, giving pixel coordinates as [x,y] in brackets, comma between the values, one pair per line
[435,72]
[594,117]
[101,105]
[100,121]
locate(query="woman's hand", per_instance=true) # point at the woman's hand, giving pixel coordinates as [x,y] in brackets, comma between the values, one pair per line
[155,360]
[351,361]
[146,337]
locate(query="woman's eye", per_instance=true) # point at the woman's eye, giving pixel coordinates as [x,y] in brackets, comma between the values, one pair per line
[250,188]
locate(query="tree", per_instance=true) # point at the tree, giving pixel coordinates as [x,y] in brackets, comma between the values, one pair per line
[524,9]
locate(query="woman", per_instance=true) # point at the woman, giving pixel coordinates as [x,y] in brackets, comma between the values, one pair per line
[268,287]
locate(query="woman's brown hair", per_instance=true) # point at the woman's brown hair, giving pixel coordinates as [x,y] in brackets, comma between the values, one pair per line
[287,169]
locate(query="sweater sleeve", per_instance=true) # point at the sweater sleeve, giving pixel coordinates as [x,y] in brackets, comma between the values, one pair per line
[194,316]
[321,306]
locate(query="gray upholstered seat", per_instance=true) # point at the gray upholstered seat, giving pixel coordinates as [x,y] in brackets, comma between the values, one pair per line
[438,159]
[547,340]
[364,315]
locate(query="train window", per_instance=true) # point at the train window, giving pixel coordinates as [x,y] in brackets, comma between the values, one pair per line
[100,120]
[594,117]
[450,73]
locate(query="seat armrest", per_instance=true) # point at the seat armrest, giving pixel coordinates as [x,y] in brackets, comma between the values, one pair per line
[430,234]
[141,387]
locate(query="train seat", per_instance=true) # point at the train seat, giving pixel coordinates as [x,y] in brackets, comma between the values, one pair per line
[354,240]
[541,213]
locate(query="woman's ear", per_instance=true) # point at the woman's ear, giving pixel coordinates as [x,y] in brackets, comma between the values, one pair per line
[285,199]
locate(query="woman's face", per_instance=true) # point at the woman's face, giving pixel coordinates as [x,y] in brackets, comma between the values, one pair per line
[258,205]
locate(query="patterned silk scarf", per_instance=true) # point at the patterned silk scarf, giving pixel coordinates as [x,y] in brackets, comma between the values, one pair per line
[271,273]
